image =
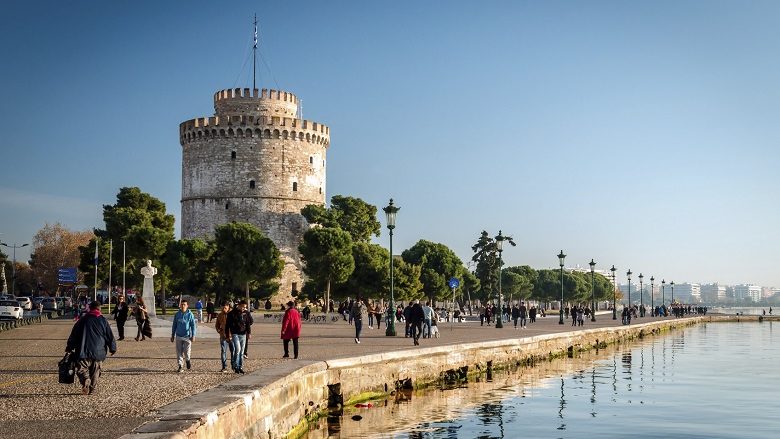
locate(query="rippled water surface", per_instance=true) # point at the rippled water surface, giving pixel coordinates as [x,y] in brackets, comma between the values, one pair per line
[716,380]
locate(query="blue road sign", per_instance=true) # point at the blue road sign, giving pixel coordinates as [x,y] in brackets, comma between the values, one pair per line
[66,275]
[453,283]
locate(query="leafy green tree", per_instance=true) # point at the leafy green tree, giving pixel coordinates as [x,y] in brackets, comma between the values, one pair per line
[244,256]
[438,263]
[327,253]
[371,276]
[350,214]
[191,264]
[407,281]
[138,219]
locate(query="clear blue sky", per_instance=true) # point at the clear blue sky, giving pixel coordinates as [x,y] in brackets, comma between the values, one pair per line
[641,134]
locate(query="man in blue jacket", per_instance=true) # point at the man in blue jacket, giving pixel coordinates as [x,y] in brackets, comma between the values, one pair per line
[89,339]
[183,333]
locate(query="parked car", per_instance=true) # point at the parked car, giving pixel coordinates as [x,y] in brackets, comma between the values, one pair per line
[7,297]
[25,303]
[49,304]
[10,309]
[36,300]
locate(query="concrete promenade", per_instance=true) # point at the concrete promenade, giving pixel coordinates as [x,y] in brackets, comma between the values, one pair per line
[141,378]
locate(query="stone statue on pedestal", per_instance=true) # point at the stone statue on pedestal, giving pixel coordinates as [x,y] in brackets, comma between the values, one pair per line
[148,292]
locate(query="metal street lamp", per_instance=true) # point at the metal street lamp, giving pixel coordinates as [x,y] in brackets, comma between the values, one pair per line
[641,294]
[500,247]
[614,293]
[672,285]
[663,293]
[628,274]
[13,266]
[592,290]
[652,293]
[390,212]
[561,257]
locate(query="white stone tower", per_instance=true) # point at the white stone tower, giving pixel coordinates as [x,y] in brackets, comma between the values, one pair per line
[254,162]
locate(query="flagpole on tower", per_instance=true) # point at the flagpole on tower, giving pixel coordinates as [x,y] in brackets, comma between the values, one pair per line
[254,59]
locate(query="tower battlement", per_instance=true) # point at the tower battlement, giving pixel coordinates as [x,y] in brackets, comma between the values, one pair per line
[255,102]
[273,127]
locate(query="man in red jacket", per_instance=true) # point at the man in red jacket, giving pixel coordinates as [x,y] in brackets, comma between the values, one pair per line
[291,329]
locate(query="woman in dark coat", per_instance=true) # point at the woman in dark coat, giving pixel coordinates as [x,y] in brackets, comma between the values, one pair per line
[291,329]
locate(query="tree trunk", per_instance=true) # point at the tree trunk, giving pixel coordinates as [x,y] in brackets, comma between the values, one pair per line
[327,298]
[162,288]
[247,296]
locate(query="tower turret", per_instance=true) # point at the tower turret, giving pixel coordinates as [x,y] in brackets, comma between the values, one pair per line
[254,162]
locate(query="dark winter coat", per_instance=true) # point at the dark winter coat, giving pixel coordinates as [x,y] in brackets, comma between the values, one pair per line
[239,322]
[99,337]
[416,314]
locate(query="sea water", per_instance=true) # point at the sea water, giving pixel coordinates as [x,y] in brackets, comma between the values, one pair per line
[712,380]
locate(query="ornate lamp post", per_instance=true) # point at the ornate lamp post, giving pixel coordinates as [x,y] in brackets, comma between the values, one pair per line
[652,293]
[641,298]
[663,292]
[13,266]
[628,274]
[500,247]
[592,290]
[561,257]
[614,293]
[390,212]
[672,285]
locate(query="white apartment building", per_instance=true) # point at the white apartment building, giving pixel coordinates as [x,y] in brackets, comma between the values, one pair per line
[745,291]
[713,292]
[687,293]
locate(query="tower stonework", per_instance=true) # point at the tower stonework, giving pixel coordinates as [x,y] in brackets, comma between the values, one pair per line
[254,162]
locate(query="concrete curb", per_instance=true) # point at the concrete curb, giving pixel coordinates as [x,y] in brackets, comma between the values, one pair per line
[7,325]
[271,403]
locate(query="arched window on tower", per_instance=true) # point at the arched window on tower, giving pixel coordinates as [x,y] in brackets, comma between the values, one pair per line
[251,184]
[295,186]
[232,155]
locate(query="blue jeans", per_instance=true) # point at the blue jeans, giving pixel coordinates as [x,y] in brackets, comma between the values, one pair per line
[239,345]
[427,328]
[225,346]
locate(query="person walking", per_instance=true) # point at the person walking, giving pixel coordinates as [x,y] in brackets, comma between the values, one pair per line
[139,312]
[89,340]
[291,329]
[120,316]
[356,313]
[515,314]
[210,311]
[427,319]
[379,313]
[523,315]
[199,310]
[183,334]
[220,326]
[239,330]
[416,317]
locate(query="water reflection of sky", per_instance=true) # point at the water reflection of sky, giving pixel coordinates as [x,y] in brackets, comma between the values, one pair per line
[713,381]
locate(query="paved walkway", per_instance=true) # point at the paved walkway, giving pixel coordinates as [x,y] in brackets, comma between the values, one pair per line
[142,376]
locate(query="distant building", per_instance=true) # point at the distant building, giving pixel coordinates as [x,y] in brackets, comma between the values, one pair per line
[687,293]
[713,292]
[747,291]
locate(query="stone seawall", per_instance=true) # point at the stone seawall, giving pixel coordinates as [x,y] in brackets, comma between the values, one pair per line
[279,404]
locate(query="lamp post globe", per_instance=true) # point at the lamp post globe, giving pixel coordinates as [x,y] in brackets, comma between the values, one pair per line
[390,212]
[592,290]
[614,293]
[561,257]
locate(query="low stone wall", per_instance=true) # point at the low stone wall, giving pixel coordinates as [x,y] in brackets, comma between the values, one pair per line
[7,325]
[278,405]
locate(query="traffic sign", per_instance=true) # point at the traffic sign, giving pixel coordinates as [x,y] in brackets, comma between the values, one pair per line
[453,283]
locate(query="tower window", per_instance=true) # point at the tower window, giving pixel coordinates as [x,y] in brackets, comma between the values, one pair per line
[233,155]
[251,184]
[295,186]
[227,205]
[311,160]
[320,190]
